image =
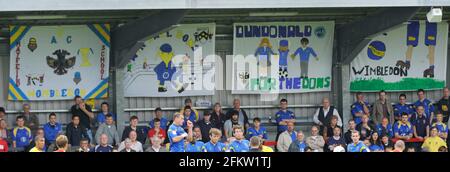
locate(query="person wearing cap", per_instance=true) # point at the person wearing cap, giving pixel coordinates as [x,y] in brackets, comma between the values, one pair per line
[166,69]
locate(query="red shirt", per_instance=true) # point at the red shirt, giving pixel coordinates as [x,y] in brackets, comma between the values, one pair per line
[161,134]
[3,146]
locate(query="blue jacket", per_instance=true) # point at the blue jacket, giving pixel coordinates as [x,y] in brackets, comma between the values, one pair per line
[51,131]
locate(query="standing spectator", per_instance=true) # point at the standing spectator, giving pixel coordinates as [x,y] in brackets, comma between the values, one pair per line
[283,117]
[382,108]
[255,144]
[443,104]
[285,139]
[84,112]
[357,145]
[75,132]
[315,141]
[336,140]
[385,128]
[21,135]
[103,145]
[157,130]
[243,118]
[375,143]
[214,145]
[427,105]
[109,129]
[328,130]
[351,129]
[62,143]
[231,123]
[159,115]
[128,146]
[141,133]
[155,145]
[359,108]
[403,129]
[240,144]
[84,146]
[299,144]
[2,113]
[401,108]
[194,112]
[205,125]
[399,146]
[176,133]
[365,128]
[135,145]
[324,115]
[421,125]
[218,118]
[52,129]
[195,144]
[434,142]
[188,116]
[40,144]
[4,132]
[101,117]
[257,130]
[441,126]
[31,119]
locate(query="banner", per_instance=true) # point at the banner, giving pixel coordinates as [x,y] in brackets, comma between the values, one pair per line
[59,62]
[410,57]
[282,57]
[175,63]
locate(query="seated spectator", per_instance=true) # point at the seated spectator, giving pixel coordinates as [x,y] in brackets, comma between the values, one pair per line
[242,115]
[205,125]
[434,142]
[336,139]
[101,117]
[399,146]
[109,129]
[328,130]
[52,129]
[195,143]
[155,145]
[441,126]
[385,128]
[375,143]
[5,134]
[420,123]
[214,145]
[193,111]
[218,118]
[39,132]
[386,141]
[365,128]
[403,129]
[103,145]
[128,146]
[231,123]
[40,144]
[324,114]
[285,139]
[159,115]
[257,130]
[315,141]
[351,129]
[255,144]
[84,145]
[240,144]
[135,145]
[21,135]
[31,119]
[140,131]
[157,130]
[357,145]
[62,143]
[75,132]
[299,144]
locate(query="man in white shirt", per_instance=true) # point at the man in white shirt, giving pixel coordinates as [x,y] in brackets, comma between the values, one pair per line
[323,115]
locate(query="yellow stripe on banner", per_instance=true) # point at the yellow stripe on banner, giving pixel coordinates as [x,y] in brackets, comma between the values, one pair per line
[17,34]
[107,26]
[102,32]
[99,91]
[14,91]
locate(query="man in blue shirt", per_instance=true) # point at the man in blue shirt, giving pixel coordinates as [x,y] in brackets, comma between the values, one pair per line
[357,145]
[283,116]
[421,124]
[21,135]
[441,126]
[427,105]
[403,129]
[359,108]
[257,130]
[188,116]
[304,52]
[177,134]
[214,145]
[52,129]
[385,128]
[159,115]
[401,107]
[240,144]
[101,117]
